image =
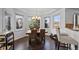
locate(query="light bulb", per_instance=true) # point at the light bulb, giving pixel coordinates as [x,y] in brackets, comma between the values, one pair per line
[39,18]
[36,17]
[33,17]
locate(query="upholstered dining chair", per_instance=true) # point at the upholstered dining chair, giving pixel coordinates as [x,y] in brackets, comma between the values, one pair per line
[55,39]
[60,42]
[34,40]
[42,35]
[32,37]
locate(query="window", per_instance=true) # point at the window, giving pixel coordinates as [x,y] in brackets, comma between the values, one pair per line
[57,21]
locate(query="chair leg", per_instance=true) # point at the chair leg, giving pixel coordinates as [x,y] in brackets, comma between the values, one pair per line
[67,47]
[44,41]
[58,45]
[76,47]
[70,46]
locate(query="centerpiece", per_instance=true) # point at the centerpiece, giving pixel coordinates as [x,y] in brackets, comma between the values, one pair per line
[34,24]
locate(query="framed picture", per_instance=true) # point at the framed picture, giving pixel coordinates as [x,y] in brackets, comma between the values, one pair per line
[7,21]
[19,22]
[46,22]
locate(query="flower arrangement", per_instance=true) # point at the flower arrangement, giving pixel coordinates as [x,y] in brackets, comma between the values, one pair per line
[34,24]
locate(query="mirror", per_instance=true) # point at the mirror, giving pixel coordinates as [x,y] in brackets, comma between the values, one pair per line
[76,22]
[69,21]
[72,22]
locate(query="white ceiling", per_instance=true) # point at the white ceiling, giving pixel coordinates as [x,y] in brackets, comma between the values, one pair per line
[77,9]
[38,11]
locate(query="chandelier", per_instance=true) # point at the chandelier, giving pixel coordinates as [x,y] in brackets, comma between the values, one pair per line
[36,17]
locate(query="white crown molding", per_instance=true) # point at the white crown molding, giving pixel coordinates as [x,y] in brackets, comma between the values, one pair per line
[38,11]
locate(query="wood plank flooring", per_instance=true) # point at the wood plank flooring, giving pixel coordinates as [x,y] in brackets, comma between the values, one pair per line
[22,44]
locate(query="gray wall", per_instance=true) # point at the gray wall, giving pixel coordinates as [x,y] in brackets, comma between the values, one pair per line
[13,12]
[21,33]
[60,12]
[69,12]
[0,20]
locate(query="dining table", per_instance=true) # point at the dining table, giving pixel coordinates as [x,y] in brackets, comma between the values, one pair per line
[38,32]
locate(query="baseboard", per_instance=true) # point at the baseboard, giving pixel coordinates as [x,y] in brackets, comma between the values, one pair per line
[20,38]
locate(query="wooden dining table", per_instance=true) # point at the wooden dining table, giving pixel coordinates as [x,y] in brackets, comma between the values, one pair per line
[38,32]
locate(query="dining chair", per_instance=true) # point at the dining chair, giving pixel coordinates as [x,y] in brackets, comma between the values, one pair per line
[63,45]
[34,40]
[32,37]
[60,43]
[42,35]
[55,39]
[7,42]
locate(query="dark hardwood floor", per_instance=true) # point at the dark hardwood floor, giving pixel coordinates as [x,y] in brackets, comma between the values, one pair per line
[22,44]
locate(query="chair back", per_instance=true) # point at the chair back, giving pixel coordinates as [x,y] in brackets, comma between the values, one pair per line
[58,34]
[42,33]
[55,38]
[33,34]
[10,39]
